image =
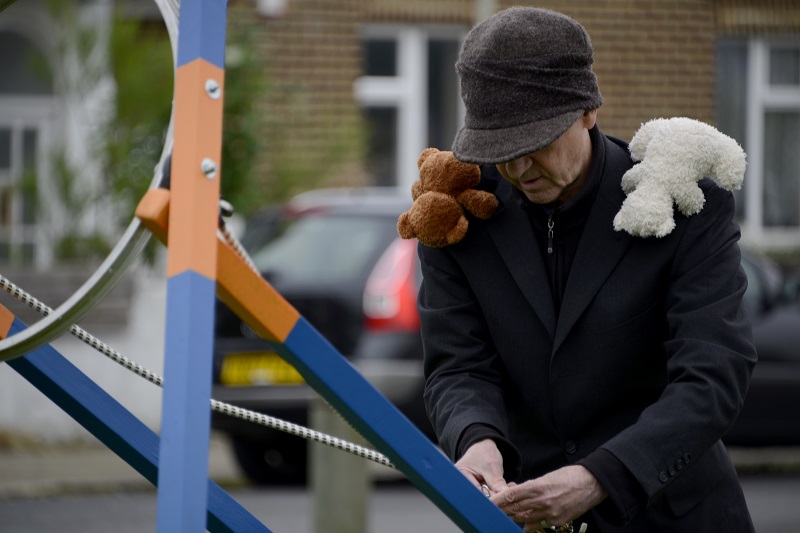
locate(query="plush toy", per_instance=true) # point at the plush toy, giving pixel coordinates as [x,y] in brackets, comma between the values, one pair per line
[674,154]
[445,189]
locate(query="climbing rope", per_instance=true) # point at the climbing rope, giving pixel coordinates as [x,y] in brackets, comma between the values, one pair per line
[216,406]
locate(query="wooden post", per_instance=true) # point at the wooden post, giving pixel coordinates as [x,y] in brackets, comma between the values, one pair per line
[340,482]
[192,267]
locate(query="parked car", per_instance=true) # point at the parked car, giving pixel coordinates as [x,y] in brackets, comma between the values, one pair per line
[335,256]
[771,413]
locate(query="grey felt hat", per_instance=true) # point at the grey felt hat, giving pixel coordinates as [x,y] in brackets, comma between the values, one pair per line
[526,77]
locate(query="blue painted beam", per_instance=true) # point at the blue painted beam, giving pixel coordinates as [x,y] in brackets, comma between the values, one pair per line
[185,414]
[191,266]
[372,415]
[118,429]
[202,32]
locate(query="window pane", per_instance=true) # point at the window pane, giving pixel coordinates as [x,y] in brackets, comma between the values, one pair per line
[382,155]
[5,149]
[781,169]
[25,69]
[442,93]
[731,101]
[6,212]
[784,66]
[28,186]
[380,56]
[325,249]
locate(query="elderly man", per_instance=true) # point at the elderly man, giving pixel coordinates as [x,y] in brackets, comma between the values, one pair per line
[577,372]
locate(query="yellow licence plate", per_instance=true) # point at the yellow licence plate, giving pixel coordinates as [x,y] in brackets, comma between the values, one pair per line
[257,368]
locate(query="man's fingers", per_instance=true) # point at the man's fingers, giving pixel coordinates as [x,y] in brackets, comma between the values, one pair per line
[504,499]
[497,485]
[471,476]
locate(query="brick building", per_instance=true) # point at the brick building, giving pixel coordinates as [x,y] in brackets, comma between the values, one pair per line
[355,89]
[362,86]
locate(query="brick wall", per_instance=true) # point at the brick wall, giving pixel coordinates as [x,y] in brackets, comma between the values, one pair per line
[653,58]
[311,57]
[757,17]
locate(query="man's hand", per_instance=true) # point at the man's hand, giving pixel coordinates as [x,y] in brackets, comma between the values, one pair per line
[553,499]
[483,464]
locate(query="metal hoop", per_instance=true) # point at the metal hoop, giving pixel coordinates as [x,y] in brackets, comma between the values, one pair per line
[116,264]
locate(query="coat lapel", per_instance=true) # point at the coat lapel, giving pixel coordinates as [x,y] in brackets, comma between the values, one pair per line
[600,248]
[512,234]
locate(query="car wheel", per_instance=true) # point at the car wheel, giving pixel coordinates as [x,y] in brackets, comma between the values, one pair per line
[277,462]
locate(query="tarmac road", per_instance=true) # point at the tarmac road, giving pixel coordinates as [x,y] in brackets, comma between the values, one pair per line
[391,510]
[773,502]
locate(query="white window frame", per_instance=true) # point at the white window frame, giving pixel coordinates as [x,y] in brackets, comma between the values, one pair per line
[407,91]
[763,97]
[19,114]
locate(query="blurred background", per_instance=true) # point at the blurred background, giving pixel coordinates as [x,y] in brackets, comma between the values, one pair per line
[328,104]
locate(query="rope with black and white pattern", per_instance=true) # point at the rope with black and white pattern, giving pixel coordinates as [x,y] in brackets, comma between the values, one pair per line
[217,406]
[237,246]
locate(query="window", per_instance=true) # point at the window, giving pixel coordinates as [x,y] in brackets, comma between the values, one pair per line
[25,105]
[758,104]
[25,71]
[410,97]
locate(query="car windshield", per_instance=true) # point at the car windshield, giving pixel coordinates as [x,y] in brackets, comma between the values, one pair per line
[324,249]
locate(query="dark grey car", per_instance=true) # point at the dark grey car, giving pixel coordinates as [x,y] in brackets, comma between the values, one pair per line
[335,256]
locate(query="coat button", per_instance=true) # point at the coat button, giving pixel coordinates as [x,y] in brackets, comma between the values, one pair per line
[672,471]
[663,477]
[679,464]
[687,457]
[570,447]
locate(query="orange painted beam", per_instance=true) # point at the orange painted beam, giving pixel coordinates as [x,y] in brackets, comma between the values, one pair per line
[245,292]
[6,320]
[198,129]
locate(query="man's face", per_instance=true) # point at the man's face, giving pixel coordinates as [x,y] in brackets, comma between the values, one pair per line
[555,173]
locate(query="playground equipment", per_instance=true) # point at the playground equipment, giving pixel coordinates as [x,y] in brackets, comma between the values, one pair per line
[203,264]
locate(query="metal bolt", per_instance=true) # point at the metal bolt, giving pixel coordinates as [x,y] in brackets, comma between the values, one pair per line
[209,168]
[213,89]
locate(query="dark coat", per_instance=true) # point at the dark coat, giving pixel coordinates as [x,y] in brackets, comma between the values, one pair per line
[649,358]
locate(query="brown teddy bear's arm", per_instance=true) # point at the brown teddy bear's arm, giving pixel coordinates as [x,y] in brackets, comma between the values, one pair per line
[404,226]
[416,189]
[482,204]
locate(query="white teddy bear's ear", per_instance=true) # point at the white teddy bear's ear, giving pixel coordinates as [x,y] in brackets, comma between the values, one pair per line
[674,154]
[643,136]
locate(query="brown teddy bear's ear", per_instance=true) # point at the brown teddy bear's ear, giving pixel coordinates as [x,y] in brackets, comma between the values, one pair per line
[426,153]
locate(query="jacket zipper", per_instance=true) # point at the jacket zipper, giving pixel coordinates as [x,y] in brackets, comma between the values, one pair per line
[550,225]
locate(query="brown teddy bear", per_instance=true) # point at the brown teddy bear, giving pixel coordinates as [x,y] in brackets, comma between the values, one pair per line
[445,189]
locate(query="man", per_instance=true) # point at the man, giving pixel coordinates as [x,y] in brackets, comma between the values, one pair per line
[580,373]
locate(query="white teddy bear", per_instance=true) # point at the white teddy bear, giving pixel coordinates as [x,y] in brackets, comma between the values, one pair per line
[674,154]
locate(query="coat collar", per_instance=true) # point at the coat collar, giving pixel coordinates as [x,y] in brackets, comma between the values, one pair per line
[599,250]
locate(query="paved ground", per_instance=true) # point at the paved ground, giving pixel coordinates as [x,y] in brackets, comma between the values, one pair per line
[32,474]
[29,470]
